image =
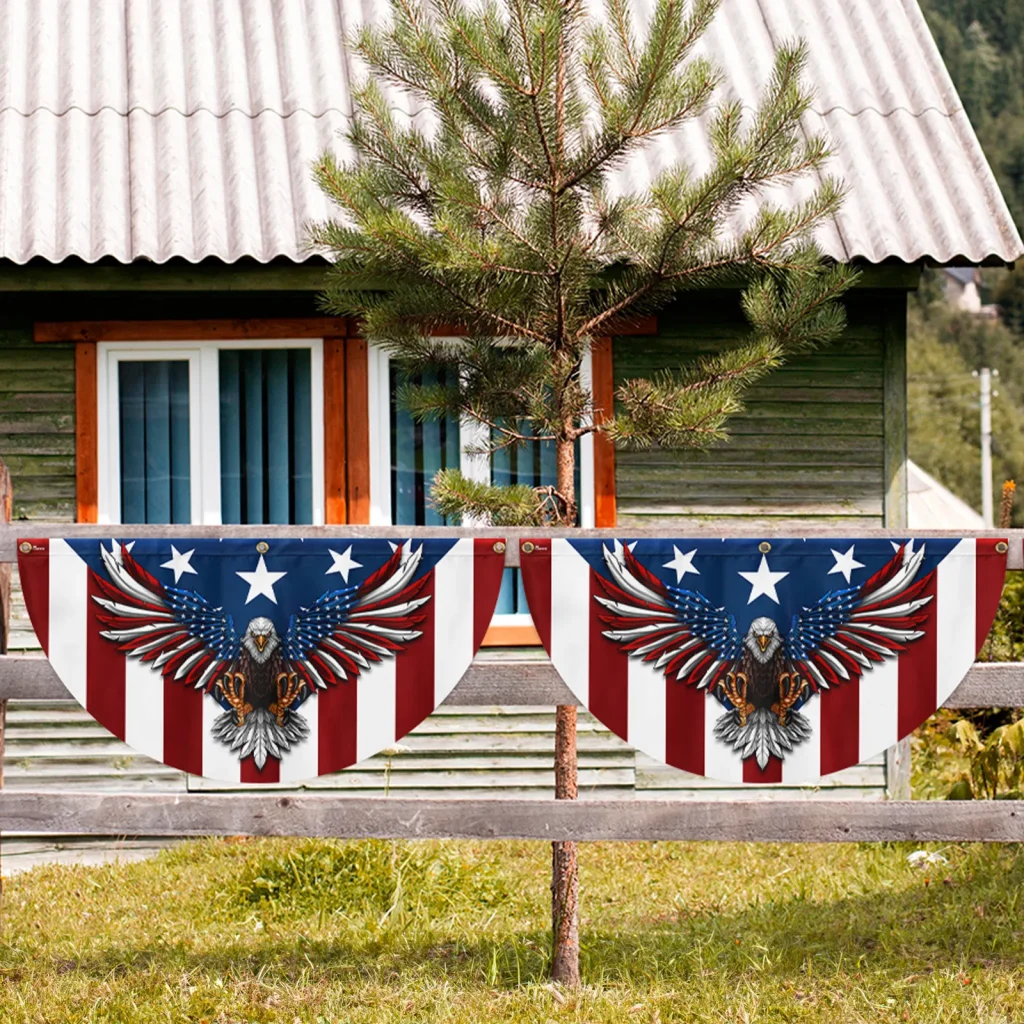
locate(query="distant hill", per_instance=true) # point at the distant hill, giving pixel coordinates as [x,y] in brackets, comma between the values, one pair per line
[982,42]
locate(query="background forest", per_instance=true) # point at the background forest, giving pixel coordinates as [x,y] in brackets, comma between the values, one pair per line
[982,42]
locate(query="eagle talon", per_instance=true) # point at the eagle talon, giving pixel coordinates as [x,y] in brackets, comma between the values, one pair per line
[233,688]
[287,698]
[735,687]
[791,686]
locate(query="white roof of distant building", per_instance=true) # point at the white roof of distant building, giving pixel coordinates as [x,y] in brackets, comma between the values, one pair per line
[930,506]
[152,129]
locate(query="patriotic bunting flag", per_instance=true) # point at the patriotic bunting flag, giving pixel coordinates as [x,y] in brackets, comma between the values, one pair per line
[763,662]
[260,662]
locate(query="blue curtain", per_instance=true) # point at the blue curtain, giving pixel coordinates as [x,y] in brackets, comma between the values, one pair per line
[418,452]
[153,404]
[266,443]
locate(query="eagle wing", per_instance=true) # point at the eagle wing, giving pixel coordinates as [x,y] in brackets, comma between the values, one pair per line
[678,630]
[176,631]
[850,630]
[346,630]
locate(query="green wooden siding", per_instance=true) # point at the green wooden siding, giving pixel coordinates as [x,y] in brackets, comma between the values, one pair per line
[811,442]
[821,438]
[37,424]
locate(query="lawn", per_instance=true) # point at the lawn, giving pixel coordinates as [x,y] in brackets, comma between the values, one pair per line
[316,931]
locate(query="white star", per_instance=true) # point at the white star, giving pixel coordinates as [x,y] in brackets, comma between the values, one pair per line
[763,581]
[845,563]
[343,563]
[261,582]
[179,563]
[682,563]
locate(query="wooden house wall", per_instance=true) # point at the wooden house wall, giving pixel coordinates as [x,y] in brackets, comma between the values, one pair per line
[813,443]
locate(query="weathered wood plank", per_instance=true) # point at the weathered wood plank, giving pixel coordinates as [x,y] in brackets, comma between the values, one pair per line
[529,682]
[590,821]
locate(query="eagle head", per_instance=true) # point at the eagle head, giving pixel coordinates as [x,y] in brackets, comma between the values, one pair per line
[762,639]
[261,639]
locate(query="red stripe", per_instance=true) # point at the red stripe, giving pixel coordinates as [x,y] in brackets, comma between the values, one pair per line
[414,670]
[684,726]
[336,727]
[488,567]
[990,575]
[840,726]
[918,669]
[536,572]
[271,771]
[771,773]
[34,573]
[183,727]
[609,673]
[104,693]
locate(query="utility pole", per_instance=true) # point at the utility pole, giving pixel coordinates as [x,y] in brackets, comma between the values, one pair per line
[985,379]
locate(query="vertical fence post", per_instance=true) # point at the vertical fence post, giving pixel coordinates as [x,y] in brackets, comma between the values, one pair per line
[5,615]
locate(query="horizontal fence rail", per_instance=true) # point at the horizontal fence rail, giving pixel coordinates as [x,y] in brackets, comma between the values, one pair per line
[277,814]
[9,534]
[503,678]
[530,682]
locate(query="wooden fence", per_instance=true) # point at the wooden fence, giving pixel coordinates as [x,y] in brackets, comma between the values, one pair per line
[508,679]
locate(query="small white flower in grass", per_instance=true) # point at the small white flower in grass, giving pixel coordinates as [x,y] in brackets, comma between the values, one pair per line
[922,858]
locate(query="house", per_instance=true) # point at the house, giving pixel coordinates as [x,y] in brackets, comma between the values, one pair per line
[931,506]
[162,357]
[963,288]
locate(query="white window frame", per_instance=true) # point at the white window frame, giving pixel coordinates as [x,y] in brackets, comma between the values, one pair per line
[474,467]
[204,418]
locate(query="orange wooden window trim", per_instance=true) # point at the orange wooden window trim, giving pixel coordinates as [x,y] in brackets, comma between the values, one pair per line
[511,636]
[357,415]
[192,330]
[87,474]
[335,440]
[602,378]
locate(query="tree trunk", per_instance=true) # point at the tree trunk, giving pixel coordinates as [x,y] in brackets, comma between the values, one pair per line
[565,877]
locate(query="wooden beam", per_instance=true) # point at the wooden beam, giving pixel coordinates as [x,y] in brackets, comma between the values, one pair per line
[335,423]
[602,376]
[9,534]
[357,405]
[176,275]
[87,470]
[190,330]
[327,814]
[517,679]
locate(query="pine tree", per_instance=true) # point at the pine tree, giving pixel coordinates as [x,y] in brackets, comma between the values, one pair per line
[486,210]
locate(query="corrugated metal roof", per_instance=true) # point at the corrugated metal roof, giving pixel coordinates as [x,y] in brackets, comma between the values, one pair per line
[152,129]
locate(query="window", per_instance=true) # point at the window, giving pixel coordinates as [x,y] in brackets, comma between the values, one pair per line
[404,456]
[211,432]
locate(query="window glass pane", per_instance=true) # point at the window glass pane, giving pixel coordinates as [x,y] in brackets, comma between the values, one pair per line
[266,441]
[533,465]
[153,408]
[418,452]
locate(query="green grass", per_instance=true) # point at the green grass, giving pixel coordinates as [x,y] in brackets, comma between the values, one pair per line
[312,931]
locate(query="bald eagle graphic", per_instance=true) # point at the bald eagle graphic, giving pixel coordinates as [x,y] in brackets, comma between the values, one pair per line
[762,676]
[261,678]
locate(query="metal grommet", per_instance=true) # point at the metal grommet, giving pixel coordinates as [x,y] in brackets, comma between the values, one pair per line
[1002,547]
[764,547]
[499,547]
[25,547]
[263,547]
[527,547]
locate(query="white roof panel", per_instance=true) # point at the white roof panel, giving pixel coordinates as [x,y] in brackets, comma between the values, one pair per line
[186,128]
